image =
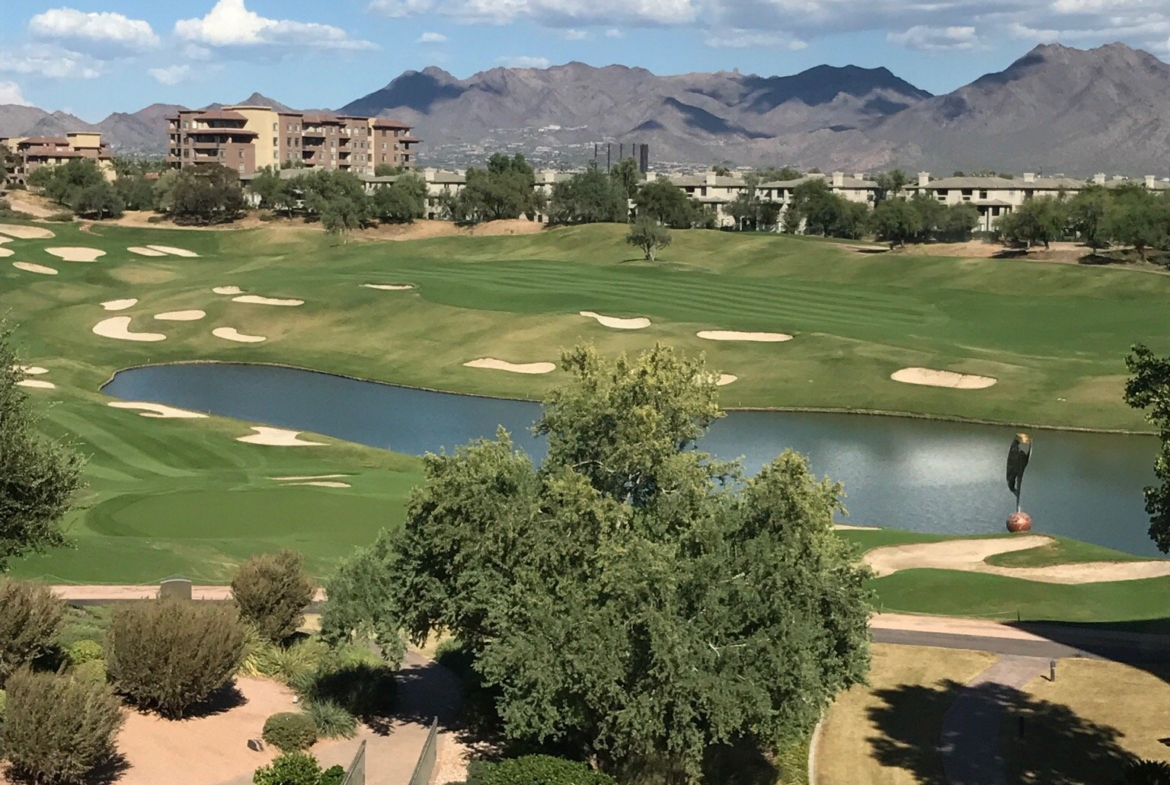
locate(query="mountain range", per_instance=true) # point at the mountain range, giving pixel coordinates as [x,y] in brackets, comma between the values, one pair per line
[1055,109]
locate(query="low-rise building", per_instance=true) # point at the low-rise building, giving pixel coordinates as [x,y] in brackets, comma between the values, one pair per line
[29,153]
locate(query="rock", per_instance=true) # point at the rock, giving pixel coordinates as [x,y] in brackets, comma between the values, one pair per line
[256,745]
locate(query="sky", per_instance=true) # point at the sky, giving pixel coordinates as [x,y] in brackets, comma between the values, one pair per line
[93,57]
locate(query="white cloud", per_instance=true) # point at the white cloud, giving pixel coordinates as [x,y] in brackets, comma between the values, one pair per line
[400,8]
[523,61]
[431,38]
[10,94]
[102,33]
[172,75]
[231,24]
[49,61]
[613,32]
[553,13]
[573,34]
[752,39]
[937,39]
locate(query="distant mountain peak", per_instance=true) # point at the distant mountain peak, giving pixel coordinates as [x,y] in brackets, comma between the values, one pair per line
[259,99]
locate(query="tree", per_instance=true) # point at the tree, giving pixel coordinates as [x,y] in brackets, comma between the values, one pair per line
[203,195]
[896,221]
[388,170]
[135,191]
[665,203]
[506,189]
[270,187]
[1088,216]
[63,182]
[632,599]
[38,477]
[648,236]
[956,223]
[930,214]
[402,201]
[97,201]
[1041,219]
[271,591]
[589,197]
[338,198]
[890,184]
[749,210]
[1148,389]
[785,174]
[627,174]
[31,615]
[1139,218]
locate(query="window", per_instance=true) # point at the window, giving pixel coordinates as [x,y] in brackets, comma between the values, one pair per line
[983,194]
[383,147]
[288,142]
[275,142]
[186,124]
[223,153]
[275,127]
[241,153]
[383,157]
[241,168]
[186,153]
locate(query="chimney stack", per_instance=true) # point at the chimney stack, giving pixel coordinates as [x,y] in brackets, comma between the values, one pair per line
[1029,177]
[1099,178]
[838,179]
[923,179]
[1150,181]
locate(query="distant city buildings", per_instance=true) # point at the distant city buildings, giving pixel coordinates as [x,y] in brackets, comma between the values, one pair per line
[26,154]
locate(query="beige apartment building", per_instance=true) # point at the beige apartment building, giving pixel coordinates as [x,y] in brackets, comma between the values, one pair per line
[249,138]
[29,153]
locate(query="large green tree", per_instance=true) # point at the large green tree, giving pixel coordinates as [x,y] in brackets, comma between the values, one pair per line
[1040,219]
[1148,389]
[338,198]
[591,196]
[631,598]
[505,189]
[1139,218]
[38,477]
[1088,216]
[202,195]
[402,201]
[62,183]
[664,202]
[896,221]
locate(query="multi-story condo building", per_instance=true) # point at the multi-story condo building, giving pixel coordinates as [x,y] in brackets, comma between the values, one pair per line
[248,138]
[29,153]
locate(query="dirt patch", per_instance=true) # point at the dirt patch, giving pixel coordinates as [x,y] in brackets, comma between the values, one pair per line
[34,205]
[26,232]
[929,377]
[429,230]
[500,365]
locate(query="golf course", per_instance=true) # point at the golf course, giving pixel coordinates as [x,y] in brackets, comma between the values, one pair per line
[829,326]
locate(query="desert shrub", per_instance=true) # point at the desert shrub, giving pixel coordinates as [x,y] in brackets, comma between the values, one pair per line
[534,770]
[330,720]
[156,219]
[272,591]
[294,768]
[84,651]
[57,728]
[30,618]
[91,670]
[171,654]
[90,623]
[333,775]
[290,731]
[3,703]
[288,664]
[63,217]
[364,690]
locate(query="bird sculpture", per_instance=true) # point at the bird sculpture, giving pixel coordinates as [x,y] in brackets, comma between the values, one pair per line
[1017,462]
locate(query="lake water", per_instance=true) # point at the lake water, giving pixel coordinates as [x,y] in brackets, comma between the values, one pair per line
[904,473]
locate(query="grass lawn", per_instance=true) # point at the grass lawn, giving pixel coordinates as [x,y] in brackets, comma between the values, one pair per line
[1063,551]
[887,733]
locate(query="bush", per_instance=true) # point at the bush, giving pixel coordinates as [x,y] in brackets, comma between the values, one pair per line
[272,591]
[56,728]
[333,775]
[91,670]
[297,768]
[364,690]
[156,219]
[534,770]
[289,731]
[330,720]
[62,217]
[85,651]
[291,665]
[30,618]
[171,654]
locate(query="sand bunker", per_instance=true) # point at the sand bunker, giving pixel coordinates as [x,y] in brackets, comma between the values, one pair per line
[180,316]
[388,287]
[157,411]
[324,484]
[76,253]
[277,437]
[168,249]
[309,477]
[145,251]
[232,334]
[933,378]
[36,383]
[725,379]
[500,365]
[26,232]
[119,305]
[255,299]
[228,290]
[6,252]
[29,267]
[637,323]
[119,327]
[733,335]
[31,370]
[969,555]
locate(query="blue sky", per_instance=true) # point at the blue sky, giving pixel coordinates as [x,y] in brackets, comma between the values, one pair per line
[92,57]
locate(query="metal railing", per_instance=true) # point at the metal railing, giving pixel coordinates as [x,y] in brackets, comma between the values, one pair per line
[426,759]
[356,775]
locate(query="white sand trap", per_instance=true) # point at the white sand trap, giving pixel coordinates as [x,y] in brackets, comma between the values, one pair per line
[26,232]
[29,267]
[255,299]
[499,365]
[733,335]
[304,477]
[969,556]
[932,378]
[145,251]
[73,253]
[36,383]
[277,437]
[228,290]
[6,252]
[637,323]
[119,327]
[180,316]
[725,379]
[845,527]
[157,411]
[31,370]
[388,287]
[324,484]
[232,334]
[119,305]
[168,249]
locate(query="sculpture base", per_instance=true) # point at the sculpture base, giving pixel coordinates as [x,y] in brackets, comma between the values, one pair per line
[1019,522]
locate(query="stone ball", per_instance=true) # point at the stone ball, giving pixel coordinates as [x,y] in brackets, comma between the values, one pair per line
[1019,522]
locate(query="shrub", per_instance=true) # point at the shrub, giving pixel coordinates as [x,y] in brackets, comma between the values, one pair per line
[290,665]
[296,768]
[58,728]
[91,670]
[364,690]
[330,720]
[30,618]
[534,770]
[85,651]
[272,591]
[156,219]
[171,654]
[290,731]
[333,775]
[63,217]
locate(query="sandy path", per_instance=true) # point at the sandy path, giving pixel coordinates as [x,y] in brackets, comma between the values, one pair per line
[72,253]
[388,287]
[142,251]
[26,232]
[29,267]
[255,299]
[277,437]
[933,378]
[969,556]
[36,384]
[232,334]
[228,290]
[500,365]
[119,305]
[157,411]
[733,335]
[180,316]
[637,323]
[118,327]
[170,249]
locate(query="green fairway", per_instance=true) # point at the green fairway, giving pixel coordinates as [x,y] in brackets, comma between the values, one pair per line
[182,496]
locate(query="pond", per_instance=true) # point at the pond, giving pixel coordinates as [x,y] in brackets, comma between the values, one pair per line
[923,475]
